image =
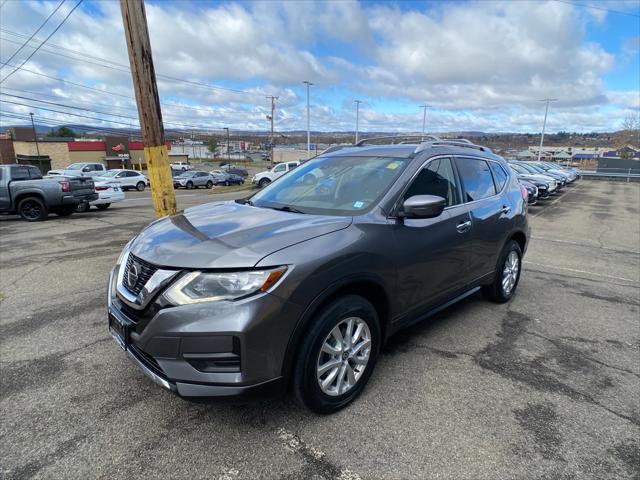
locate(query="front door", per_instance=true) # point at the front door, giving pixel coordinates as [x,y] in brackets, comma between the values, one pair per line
[432,253]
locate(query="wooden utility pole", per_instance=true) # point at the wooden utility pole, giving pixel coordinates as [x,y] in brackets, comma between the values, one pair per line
[144,83]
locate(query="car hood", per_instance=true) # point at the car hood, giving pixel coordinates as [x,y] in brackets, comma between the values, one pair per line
[227,235]
[535,178]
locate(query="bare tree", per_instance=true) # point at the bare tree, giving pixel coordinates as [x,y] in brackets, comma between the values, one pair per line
[629,135]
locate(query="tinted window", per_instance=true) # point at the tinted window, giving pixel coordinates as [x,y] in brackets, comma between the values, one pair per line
[20,173]
[292,165]
[437,178]
[476,178]
[34,172]
[499,175]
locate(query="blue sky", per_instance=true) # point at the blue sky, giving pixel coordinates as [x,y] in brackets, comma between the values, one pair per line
[480,65]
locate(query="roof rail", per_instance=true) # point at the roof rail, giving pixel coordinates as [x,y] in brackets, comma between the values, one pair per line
[460,142]
[403,139]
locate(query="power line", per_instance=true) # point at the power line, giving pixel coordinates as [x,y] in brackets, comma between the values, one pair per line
[596,7]
[24,44]
[43,42]
[124,68]
[106,92]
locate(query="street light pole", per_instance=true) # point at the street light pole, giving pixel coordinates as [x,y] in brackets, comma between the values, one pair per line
[544,123]
[424,118]
[35,136]
[357,102]
[308,84]
[228,153]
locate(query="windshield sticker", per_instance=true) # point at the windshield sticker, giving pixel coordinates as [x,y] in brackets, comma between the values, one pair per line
[392,166]
[358,204]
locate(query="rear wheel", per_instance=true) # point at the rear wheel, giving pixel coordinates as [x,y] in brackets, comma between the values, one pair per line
[337,355]
[64,211]
[82,207]
[103,206]
[507,275]
[32,209]
[140,186]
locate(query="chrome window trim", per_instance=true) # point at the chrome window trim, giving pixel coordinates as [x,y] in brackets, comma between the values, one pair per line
[451,157]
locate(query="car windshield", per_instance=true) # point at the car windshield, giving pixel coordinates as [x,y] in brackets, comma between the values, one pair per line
[75,166]
[332,185]
[110,173]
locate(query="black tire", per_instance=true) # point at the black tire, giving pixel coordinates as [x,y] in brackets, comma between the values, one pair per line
[140,186]
[209,184]
[305,384]
[103,206]
[82,207]
[32,209]
[64,211]
[264,182]
[495,291]
[189,185]
[226,183]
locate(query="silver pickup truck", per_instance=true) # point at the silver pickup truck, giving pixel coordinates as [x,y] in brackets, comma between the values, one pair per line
[23,191]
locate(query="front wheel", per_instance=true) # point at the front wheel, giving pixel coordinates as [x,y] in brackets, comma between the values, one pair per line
[209,184]
[140,186]
[507,274]
[189,185]
[82,207]
[103,206]
[337,355]
[264,182]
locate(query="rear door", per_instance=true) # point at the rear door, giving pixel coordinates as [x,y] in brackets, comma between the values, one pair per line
[432,253]
[5,198]
[488,214]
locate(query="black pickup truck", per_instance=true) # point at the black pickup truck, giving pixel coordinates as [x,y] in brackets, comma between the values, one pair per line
[25,192]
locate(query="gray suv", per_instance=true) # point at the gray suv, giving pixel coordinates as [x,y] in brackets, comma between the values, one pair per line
[300,285]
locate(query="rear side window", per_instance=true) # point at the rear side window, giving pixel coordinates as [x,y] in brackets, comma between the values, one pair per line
[476,177]
[499,175]
[20,173]
[437,178]
[292,165]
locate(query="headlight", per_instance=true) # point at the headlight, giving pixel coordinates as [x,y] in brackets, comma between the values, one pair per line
[196,287]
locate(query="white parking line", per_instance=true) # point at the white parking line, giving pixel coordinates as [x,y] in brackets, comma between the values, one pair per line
[569,242]
[581,271]
[547,207]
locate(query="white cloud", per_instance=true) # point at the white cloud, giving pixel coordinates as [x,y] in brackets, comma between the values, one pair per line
[483,65]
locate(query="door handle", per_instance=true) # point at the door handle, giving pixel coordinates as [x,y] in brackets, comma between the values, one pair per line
[505,209]
[463,226]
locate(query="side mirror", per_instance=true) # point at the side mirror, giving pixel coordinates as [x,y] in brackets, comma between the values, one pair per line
[423,206]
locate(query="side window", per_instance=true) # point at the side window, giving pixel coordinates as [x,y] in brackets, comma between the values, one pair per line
[280,167]
[436,178]
[499,175]
[34,173]
[98,167]
[20,173]
[292,165]
[476,178]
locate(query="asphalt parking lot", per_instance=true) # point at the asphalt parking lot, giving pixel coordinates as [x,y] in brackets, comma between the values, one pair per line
[545,387]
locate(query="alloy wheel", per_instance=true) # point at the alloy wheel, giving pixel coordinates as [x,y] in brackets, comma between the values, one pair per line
[510,272]
[344,356]
[31,209]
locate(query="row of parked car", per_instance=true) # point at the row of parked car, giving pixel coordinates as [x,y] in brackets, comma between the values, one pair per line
[543,179]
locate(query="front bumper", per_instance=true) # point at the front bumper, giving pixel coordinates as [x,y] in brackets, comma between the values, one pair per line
[184,349]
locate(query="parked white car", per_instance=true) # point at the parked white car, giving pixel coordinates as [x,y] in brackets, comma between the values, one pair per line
[263,179]
[184,166]
[127,178]
[109,191]
[81,170]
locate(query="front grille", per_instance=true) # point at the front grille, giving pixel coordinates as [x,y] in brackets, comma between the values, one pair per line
[145,271]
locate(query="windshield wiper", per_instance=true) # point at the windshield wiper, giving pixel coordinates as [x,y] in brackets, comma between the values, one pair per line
[287,208]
